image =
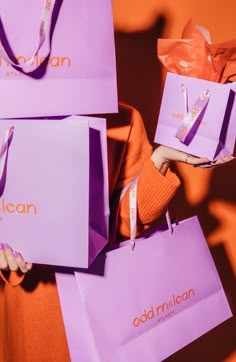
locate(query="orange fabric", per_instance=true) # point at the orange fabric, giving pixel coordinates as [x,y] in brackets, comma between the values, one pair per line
[33,328]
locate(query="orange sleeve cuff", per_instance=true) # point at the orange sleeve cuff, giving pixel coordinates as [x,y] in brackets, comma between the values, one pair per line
[154,192]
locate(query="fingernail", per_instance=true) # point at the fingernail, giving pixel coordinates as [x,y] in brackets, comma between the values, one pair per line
[6,246]
[1,246]
[15,253]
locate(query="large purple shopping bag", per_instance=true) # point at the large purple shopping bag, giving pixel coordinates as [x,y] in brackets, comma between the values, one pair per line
[54,189]
[145,304]
[57,57]
[197,116]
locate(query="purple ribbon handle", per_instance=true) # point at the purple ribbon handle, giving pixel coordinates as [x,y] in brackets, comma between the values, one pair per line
[191,117]
[4,148]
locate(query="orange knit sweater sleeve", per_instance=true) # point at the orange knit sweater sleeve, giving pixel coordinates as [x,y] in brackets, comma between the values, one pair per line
[154,191]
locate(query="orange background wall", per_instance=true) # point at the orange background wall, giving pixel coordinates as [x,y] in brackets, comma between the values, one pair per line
[211,194]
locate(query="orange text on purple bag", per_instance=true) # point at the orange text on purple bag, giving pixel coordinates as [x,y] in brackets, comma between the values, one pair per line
[164,310]
[17,208]
[53,61]
[180,116]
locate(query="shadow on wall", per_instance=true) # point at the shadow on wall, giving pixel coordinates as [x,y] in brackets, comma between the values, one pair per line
[139,72]
[140,85]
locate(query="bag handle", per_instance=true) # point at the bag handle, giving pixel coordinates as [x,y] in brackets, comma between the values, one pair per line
[133,210]
[4,148]
[191,116]
[133,213]
[44,27]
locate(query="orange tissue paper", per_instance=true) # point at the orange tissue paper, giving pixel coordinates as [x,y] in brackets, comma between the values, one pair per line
[194,55]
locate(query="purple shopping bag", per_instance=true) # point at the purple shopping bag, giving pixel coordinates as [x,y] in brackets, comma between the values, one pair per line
[145,304]
[57,57]
[197,116]
[54,189]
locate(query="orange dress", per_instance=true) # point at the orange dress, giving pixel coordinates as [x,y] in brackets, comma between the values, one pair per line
[31,326]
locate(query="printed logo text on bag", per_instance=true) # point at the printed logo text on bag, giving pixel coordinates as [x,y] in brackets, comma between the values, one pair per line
[53,62]
[164,310]
[48,4]
[180,116]
[16,208]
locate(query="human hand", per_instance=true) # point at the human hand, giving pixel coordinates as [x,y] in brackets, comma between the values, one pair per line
[163,155]
[12,260]
[220,161]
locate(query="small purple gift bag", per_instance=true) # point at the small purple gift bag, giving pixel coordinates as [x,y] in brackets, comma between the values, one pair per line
[198,108]
[197,116]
